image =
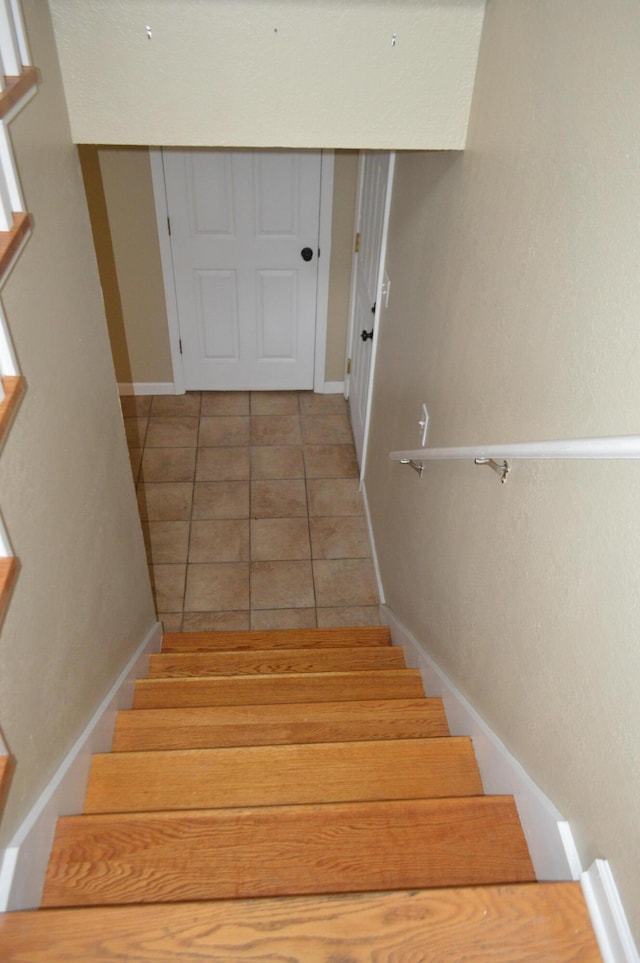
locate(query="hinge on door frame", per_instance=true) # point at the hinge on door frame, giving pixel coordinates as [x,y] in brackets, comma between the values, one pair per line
[180,343]
[348,365]
[357,248]
[169,225]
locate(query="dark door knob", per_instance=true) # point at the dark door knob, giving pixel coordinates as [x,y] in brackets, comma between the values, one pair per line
[306,253]
[366,335]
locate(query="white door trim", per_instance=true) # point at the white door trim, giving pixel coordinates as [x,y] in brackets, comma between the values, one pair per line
[376,318]
[352,309]
[324,263]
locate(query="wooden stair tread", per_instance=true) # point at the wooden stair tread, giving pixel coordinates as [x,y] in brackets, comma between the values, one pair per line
[286,850]
[282,775]
[208,727]
[275,639]
[516,924]
[253,690]
[265,662]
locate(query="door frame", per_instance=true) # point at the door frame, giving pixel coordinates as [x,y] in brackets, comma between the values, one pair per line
[324,261]
[382,291]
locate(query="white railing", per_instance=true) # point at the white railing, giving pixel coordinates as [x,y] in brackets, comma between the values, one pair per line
[498,457]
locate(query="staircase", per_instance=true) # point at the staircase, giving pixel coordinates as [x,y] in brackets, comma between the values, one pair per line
[292,796]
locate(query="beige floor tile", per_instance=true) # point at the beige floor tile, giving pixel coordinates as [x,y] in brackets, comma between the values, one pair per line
[174,432]
[135,405]
[223,430]
[165,501]
[165,406]
[224,403]
[166,541]
[344,536]
[171,621]
[168,464]
[168,587]
[278,499]
[317,404]
[265,619]
[217,587]
[279,539]
[274,402]
[220,540]
[326,430]
[216,621]
[224,499]
[281,585]
[330,461]
[352,615]
[135,457]
[347,582]
[135,429]
[275,430]
[334,496]
[277,461]
[223,464]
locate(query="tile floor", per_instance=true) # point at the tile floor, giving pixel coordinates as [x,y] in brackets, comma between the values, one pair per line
[250,510]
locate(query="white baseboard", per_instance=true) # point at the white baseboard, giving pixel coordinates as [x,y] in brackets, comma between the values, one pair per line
[147,388]
[333,388]
[24,861]
[607,915]
[372,542]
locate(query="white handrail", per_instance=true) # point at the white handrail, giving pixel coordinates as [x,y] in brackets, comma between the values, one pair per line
[612,446]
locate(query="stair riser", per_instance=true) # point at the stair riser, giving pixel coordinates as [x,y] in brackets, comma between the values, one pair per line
[283,851]
[276,639]
[282,775]
[324,687]
[198,664]
[268,725]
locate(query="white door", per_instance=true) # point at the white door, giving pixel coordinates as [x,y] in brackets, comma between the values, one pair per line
[374,196]
[244,241]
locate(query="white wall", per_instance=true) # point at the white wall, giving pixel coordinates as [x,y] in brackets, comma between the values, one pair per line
[323,73]
[82,601]
[514,313]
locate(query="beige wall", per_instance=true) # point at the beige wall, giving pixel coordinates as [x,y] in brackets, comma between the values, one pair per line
[120,197]
[82,600]
[514,314]
[323,73]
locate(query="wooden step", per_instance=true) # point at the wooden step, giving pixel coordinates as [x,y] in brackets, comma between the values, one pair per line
[275,639]
[541,923]
[281,775]
[209,727]
[286,850]
[175,665]
[253,690]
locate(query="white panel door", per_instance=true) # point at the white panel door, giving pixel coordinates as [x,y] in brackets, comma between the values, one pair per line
[375,174]
[244,241]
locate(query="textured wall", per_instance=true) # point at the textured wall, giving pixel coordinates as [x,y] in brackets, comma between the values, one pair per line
[514,314]
[322,73]
[82,600]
